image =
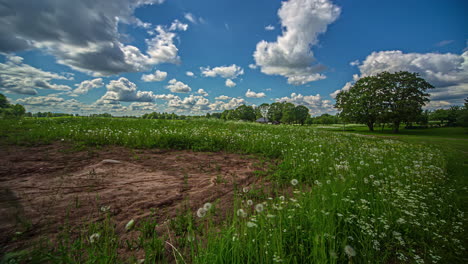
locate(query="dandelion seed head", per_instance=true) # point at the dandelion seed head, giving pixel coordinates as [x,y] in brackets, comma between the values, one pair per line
[245,189]
[201,212]
[249,202]
[207,206]
[294,182]
[241,213]
[94,237]
[349,251]
[259,208]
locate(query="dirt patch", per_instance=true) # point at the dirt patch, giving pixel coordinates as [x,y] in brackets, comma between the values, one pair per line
[42,187]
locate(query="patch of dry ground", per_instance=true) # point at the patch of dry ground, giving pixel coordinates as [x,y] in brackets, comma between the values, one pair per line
[42,187]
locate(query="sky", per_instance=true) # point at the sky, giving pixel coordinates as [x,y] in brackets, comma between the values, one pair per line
[130,57]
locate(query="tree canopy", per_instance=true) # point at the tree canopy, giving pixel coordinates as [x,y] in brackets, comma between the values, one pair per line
[8,110]
[386,98]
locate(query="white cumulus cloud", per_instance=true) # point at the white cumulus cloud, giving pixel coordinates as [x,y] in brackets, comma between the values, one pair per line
[253,94]
[230,83]
[232,71]
[202,92]
[290,55]
[157,76]
[85,86]
[178,86]
[316,104]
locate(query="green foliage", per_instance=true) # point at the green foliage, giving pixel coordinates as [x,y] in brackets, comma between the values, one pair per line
[386,97]
[8,110]
[392,202]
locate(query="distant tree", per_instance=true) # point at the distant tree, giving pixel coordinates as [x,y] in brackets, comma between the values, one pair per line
[301,114]
[288,113]
[4,101]
[386,97]
[362,103]
[18,110]
[245,112]
[462,118]
[8,110]
[275,112]
[263,110]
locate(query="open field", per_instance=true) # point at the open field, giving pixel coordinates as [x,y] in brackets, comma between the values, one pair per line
[255,193]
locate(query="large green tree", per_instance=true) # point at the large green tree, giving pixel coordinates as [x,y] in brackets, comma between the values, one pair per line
[363,102]
[301,114]
[386,97]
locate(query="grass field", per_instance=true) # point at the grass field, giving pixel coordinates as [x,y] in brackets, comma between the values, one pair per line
[337,197]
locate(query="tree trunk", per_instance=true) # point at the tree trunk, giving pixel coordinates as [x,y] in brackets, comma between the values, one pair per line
[371,126]
[396,127]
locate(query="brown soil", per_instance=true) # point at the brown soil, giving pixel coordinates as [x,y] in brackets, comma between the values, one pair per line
[42,187]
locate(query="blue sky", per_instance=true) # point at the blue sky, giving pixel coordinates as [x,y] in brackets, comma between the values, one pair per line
[133,56]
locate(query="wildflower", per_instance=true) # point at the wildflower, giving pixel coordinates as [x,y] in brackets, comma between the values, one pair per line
[207,206]
[201,212]
[259,208]
[349,251]
[94,237]
[251,224]
[130,225]
[249,202]
[241,213]
[294,182]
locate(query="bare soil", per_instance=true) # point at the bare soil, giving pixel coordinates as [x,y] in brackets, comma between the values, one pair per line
[42,187]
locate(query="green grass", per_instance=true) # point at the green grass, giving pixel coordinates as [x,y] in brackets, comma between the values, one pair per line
[360,199]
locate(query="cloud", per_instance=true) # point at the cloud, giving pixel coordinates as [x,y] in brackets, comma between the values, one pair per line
[223,97]
[39,101]
[193,19]
[221,106]
[444,43]
[354,63]
[165,96]
[202,92]
[269,28]
[191,103]
[447,72]
[190,74]
[123,90]
[315,103]
[18,77]
[230,83]
[144,106]
[177,25]
[232,71]
[85,86]
[290,55]
[157,76]
[253,94]
[178,86]
[253,66]
[90,45]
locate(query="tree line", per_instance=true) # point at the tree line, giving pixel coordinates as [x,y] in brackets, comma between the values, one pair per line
[8,110]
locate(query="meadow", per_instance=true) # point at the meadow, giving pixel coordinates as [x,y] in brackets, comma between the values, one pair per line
[334,196]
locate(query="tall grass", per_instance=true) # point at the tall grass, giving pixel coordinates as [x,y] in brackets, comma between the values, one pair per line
[359,199]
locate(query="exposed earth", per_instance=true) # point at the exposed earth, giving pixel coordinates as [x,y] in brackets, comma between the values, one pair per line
[42,187]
